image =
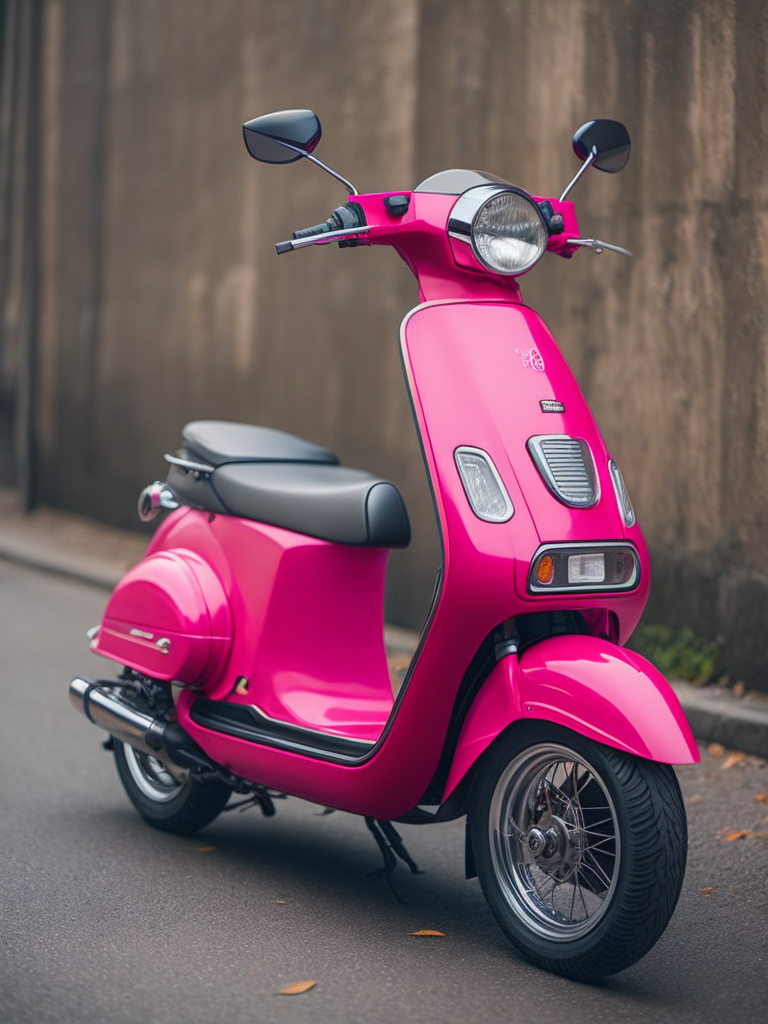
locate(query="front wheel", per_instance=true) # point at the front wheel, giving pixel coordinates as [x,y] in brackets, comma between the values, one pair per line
[580,849]
[163,801]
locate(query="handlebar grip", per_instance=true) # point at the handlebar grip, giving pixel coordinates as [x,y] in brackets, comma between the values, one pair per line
[282,247]
[317,229]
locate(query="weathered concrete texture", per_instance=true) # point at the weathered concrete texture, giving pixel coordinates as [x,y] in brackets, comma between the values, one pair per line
[161,299]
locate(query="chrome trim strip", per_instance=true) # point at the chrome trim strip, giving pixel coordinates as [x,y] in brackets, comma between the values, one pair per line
[305,728]
[189,466]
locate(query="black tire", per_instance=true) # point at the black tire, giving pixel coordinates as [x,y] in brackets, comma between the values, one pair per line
[162,801]
[580,849]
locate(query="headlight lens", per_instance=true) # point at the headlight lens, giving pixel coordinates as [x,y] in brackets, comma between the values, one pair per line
[508,233]
[501,226]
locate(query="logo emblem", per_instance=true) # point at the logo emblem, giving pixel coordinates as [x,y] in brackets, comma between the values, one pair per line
[532,358]
[551,405]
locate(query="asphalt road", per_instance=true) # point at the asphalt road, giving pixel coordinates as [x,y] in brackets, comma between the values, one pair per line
[104,919]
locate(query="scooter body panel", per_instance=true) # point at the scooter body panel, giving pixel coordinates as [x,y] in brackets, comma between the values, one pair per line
[606,693]
[305,643]
[279,582]
[478,373]
[169,617]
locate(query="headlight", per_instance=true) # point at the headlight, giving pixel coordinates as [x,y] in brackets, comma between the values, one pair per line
[504,226]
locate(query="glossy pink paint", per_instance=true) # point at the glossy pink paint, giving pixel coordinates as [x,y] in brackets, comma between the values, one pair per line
[293,626]
[604,692]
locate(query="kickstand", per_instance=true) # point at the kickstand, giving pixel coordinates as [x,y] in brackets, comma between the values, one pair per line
[259,797]
[391,845]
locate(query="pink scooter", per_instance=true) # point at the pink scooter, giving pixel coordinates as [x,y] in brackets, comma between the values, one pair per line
[252,631]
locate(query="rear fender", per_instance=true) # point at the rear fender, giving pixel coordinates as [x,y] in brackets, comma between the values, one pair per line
[601,691]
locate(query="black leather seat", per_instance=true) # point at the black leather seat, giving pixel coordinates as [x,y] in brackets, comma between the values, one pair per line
[277,478]
[216,442]
[334,503]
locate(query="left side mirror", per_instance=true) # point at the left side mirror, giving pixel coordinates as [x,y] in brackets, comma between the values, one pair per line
[609,138]
[282,137]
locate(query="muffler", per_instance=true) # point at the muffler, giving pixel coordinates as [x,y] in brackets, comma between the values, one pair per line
[165,740]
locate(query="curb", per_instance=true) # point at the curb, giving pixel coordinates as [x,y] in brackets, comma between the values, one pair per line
[716,716]
[31,555]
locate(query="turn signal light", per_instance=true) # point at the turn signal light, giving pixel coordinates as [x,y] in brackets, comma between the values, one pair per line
[575,568]
[545,570]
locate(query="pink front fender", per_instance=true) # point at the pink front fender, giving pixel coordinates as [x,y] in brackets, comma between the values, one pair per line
[591,686]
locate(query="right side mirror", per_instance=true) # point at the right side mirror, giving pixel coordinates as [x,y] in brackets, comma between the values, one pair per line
[282,137]
[609,138]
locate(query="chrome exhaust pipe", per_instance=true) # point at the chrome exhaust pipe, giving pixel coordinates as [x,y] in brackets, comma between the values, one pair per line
[164,740]
[121,721]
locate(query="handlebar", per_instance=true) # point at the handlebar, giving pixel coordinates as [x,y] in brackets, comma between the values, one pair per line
[343,222]
[346,235]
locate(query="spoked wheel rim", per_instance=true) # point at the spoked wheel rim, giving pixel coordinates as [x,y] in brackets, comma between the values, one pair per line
[151,776]
[554,841]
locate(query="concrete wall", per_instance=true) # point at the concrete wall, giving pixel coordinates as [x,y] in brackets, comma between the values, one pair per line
[161,299]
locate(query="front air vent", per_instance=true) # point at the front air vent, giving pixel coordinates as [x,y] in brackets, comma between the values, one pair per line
[567,468]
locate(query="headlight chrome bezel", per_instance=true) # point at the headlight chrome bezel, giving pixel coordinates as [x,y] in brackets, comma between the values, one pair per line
[468,210]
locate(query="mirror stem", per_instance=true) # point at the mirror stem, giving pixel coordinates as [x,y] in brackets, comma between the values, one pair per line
[587,163]
[347,184]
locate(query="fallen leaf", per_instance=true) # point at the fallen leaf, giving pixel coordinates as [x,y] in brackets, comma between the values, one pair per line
[297,988]
[738,689]
[279,901]
[730,835]
[429,931]
[762,798]
[696,799]
[205,849]
[734,758]
[716,750]
[708,891]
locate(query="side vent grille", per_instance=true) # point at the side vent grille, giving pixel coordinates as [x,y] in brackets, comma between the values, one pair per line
[567,468]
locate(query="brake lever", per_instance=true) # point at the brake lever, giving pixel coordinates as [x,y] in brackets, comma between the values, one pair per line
[597,245]
[321,239]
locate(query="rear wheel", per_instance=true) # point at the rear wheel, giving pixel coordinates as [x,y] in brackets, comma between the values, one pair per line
[161,799]
[580,849]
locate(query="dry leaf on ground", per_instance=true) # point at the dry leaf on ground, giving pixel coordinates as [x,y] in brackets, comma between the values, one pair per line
[429,932]
[708,891]
[297,988]
[734,758]
[730,835]
[762,798]
[716,750]
[205,849]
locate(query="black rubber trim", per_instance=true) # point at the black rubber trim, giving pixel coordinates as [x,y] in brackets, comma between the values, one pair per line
[247,723]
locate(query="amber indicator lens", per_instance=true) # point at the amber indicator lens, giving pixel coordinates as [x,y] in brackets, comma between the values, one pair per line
[545,570]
